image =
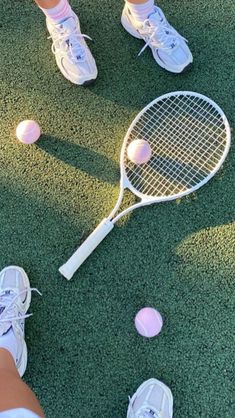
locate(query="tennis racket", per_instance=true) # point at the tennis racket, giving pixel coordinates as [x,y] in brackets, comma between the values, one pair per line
[189,136]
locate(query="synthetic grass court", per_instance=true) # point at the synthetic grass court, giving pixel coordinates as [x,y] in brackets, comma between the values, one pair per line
[85,357]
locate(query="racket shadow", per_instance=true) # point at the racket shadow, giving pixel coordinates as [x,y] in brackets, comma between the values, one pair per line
[86,160]
[177,175]
[166,174]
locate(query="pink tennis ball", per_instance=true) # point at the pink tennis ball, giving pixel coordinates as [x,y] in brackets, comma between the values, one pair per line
[139,151]
[148,322]
[28,131]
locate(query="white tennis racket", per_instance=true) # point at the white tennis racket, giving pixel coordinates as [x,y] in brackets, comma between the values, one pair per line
[189,136]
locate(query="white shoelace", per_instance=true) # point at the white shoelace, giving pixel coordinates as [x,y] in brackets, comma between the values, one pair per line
[160,35]
[69,42]
[9,312]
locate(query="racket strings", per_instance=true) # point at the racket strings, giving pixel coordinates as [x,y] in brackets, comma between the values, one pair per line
[187,136]
[189,129]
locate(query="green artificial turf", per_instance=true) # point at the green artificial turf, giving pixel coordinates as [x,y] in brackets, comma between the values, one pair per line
[85,356]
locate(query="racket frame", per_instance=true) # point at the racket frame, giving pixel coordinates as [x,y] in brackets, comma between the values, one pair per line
[148,200]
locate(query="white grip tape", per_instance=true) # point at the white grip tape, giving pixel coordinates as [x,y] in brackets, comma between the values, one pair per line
[76,260]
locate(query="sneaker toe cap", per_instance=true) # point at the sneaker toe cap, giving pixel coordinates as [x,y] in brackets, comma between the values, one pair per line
[178,59]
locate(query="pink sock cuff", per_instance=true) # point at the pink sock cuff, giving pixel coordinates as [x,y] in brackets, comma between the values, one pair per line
[59,12]
[141,11]
[63,13]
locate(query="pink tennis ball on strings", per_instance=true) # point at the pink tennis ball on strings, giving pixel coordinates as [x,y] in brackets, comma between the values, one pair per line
[139,151]
[28,131]
[148,322]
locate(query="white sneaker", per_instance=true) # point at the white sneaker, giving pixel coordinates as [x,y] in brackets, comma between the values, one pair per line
[169,48]
[153,399]
[73,56]
[15,298]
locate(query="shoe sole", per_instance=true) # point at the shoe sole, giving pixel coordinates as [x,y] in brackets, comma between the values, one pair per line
[126,26]
[187,68]
[88,83]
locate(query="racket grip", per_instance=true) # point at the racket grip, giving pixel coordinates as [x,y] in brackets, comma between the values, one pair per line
[76,260]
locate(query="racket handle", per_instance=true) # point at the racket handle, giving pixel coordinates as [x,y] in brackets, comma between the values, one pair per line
[76,260]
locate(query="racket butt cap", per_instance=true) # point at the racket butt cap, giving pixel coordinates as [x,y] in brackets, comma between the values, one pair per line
[65,272]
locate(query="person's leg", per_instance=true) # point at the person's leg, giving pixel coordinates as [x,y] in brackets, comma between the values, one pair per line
[47,4]
[153,399]
[14,393]
[15,298]
[73,56]
[143,20]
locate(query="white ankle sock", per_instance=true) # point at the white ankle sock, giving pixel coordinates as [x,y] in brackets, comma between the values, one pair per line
[58,13]
[9,342]
[141,11]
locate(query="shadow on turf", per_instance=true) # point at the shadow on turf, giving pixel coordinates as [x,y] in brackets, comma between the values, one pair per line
[106,295]
[91,162]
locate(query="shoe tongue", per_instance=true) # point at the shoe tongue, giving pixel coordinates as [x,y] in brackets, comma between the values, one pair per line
[5,300]
[155,18]
[67,25]
[4,328]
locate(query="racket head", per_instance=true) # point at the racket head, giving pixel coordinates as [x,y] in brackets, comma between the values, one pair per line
[189,136]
